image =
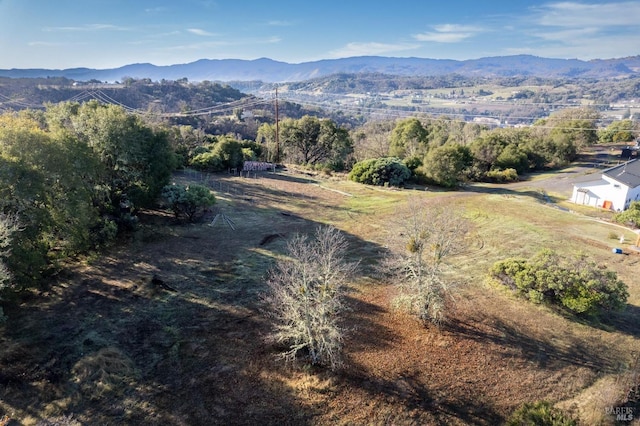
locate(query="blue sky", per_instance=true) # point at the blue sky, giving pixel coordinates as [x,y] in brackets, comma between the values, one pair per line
[112,33]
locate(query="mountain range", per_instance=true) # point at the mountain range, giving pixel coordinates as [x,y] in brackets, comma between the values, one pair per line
[270,71]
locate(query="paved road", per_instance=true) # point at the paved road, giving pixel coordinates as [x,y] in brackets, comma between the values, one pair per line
[562,182]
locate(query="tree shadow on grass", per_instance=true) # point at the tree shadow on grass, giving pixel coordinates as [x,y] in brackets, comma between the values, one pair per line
[414,401]
[422,404]
[109,355]
[626,321]
[109,346]
[538,195]
[546,354]
[363,331]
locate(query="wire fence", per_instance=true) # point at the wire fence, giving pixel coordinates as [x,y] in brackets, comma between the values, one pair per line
[247,185]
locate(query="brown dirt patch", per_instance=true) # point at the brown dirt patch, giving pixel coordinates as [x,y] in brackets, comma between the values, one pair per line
[106,344]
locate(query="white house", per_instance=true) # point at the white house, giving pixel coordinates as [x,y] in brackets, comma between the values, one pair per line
[618,187]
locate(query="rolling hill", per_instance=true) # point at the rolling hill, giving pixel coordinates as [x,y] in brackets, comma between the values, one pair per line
[268,70]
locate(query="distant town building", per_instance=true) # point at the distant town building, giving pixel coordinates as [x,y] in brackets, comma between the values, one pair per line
[487,120]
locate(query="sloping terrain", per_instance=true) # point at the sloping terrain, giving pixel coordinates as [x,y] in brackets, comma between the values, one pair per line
[167,328]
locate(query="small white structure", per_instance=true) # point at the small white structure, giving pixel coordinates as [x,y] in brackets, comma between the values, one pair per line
[618,187]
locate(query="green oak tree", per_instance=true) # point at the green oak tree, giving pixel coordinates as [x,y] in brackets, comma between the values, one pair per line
[408,139]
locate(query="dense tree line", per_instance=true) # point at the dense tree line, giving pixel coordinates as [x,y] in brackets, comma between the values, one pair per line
[446,152]
[72,177]
[440,151]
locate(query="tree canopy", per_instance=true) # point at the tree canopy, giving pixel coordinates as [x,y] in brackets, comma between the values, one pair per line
[73,175]
[314,141]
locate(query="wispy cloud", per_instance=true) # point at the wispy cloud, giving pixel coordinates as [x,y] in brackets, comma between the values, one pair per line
[573,29]
[87,27]
[166,34]
[576,15]
[567,35]
[224,43]
[281,23]
[54,44]
[613,46]
[371,48]
[200,32]
[269,40]
[448,33]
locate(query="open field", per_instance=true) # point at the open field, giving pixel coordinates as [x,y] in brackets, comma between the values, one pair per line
[490,100]
[104,345]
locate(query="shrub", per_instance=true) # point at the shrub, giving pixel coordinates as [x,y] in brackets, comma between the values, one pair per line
[445,165]
[500,176]
[540,413]
[412,162]
[380,171]
[207,161]
[576,285]
[631,216]
[187,201]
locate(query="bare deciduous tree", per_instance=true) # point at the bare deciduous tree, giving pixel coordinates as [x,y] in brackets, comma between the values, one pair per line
[372,140]
[305,296]
[425,236]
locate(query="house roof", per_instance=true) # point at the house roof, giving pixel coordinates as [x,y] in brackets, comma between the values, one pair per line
[627,173]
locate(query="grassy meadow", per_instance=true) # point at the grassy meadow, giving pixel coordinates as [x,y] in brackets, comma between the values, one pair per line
[104,345]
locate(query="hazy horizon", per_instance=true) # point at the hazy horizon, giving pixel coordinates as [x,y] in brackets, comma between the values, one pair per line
[101,34]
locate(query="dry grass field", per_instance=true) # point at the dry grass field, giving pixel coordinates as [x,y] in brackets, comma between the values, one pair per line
[105,345]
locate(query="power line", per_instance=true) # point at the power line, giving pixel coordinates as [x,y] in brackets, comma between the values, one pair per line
[444,116]
[385,112]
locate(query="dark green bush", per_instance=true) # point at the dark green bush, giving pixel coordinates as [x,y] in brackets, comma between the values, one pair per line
[380,171]
[500,176]
[187,201]
[576,285]
[446,165]
[540,413]
[631,216]
[412,162]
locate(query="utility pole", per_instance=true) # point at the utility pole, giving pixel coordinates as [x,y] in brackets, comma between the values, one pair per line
[277,130]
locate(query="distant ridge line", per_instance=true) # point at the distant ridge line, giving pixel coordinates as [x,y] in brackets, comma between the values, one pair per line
[271,71]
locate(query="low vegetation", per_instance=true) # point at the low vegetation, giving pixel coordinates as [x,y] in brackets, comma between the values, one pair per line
[539,413]
[577,285]
[631,216]
[380,171]
[187,201]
